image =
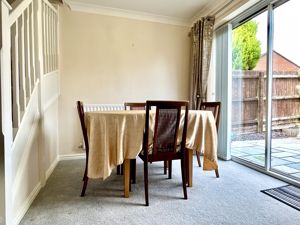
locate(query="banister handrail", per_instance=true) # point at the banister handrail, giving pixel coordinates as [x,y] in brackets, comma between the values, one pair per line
[50,6]
[7,4]
[18,11]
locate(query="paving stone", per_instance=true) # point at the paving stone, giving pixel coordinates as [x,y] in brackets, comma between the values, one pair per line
[283,154]
[296,175]
[238,154]
[278,162]
[295,166]
[285,169]
[257,159]
[287,150]
[292,159]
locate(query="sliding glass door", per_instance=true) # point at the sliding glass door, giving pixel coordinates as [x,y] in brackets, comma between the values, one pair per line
[249,41]
[285,145]
[266,89]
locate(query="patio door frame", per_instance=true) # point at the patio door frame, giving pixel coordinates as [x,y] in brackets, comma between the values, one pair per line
[223,87]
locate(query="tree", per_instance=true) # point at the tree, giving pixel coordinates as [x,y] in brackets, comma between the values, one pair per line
[245,46]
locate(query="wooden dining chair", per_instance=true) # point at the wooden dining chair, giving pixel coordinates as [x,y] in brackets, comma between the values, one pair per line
[141,106]
[132,106]
[165,145]
[135,105]
[85,138]
[215,108]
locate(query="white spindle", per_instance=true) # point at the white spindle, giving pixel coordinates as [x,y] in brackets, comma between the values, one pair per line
[44,37]
[27,54]
[32,48]
[15,75]
[50,16]
[21,65]
[55,41]
[47,38]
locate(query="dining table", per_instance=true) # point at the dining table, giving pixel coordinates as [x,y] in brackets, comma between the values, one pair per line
[115,137]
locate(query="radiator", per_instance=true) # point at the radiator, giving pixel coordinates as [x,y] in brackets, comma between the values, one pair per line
[102,107]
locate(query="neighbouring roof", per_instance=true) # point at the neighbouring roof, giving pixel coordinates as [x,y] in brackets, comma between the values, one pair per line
[280,63]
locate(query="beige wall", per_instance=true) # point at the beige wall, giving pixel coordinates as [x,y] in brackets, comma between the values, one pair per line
[106,59]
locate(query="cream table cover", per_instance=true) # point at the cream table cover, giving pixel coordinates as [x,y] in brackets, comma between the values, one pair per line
[117,135]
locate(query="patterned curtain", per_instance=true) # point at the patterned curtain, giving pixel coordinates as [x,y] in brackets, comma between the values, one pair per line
[201,35]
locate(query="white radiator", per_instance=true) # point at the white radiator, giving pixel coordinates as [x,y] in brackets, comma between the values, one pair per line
[102,107]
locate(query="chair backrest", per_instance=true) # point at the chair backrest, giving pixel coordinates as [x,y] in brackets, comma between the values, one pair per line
[82,123]
[215,107]
[135,105]
[166,127]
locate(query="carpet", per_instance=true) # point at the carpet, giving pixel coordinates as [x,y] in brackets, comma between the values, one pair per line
[287,194]
[231,196]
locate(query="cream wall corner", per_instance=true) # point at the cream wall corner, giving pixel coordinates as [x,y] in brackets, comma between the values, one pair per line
[106,59]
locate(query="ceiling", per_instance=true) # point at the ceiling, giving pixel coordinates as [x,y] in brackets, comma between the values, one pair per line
[175,11]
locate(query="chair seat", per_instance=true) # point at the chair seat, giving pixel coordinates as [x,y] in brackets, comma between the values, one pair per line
[150,150]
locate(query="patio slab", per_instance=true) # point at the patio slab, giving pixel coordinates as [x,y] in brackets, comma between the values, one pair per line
[286,150]
[286,169]
[278,162]
[296,175]
[295,166]
[283,154]
[292,159]
[257,159]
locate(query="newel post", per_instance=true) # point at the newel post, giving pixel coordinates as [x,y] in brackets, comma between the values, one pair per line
[6,106]
[38,37]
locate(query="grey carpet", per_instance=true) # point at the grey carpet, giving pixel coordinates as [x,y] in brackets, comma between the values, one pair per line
[234,198]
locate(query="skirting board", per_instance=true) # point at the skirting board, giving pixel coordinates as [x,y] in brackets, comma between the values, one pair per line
[51,168]
[25,206]
[27,203]
[72,156]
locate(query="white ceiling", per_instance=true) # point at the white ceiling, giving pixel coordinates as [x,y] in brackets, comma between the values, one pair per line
[178,11]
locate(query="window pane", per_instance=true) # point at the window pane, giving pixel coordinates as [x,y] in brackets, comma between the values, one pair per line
[248,90]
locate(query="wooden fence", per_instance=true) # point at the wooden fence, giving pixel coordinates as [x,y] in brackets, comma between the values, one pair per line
[249,101]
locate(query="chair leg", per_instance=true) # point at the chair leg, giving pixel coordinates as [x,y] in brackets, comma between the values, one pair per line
[119,170]
[85,173]
[84,186]
[133,171]
[217,173]
[165,166]
[122,169]
[183,175]
[198,158]
[146,182]
[86,166]
[170,169]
